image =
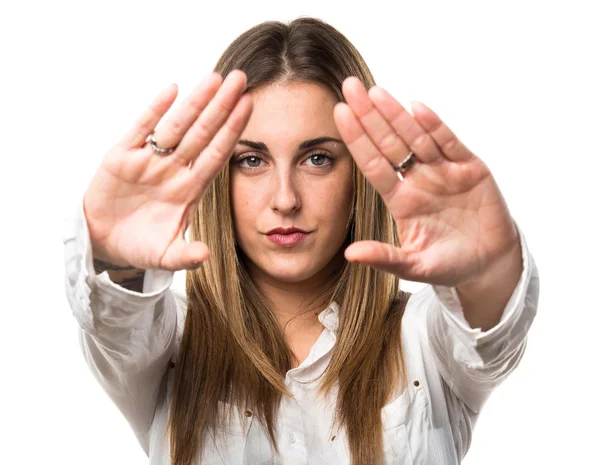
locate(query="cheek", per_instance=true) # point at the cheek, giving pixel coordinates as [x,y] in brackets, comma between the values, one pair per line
[239,202]
[245,203]
[332,204]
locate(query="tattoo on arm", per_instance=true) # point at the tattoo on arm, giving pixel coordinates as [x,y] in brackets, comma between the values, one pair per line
[101,266]
[134,280]
[135,283]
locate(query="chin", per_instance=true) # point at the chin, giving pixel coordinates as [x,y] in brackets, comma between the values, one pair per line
[287,269]
[290,274]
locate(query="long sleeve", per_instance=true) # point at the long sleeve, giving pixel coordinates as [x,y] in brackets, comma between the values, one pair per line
[471,361]
[126,337]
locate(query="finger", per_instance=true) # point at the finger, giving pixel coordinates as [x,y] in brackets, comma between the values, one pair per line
[206,167]
[375,125]
[212,118]
[376,168]
[183,255]
[385,257]
[143,127]
[174,128]
[448,143]
[411,132]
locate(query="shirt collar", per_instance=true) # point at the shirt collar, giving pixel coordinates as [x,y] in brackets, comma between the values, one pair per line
[330,317]
[314,365]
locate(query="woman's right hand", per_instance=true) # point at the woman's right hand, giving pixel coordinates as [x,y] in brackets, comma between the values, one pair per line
[139,204]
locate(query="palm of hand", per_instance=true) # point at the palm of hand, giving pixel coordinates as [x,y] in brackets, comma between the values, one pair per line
[140,203]
[451,218]
[151,216]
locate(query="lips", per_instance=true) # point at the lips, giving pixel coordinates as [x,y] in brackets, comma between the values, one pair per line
[286,231]
[287,240]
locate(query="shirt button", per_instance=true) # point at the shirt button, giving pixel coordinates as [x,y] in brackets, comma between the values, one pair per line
[416,383]
[291,438]
[248,413]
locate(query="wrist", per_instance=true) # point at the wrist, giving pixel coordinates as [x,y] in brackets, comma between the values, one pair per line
[101,265]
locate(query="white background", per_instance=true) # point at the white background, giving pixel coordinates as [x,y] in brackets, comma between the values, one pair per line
[516,80]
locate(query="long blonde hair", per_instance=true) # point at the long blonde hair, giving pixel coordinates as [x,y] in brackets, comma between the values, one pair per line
[233,349]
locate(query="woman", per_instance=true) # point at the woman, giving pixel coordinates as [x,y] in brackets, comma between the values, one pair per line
[294,343]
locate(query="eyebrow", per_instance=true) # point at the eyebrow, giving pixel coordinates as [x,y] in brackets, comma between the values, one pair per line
[304,145]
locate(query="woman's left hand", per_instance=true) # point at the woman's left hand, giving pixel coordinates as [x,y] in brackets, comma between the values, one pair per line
[453,223]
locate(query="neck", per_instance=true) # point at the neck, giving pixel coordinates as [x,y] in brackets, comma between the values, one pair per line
[297,304]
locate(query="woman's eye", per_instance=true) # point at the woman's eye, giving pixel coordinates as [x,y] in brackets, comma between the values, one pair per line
[253,162]
[317,160]
[320,159]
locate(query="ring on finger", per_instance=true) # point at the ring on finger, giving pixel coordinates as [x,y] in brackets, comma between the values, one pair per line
[405,165]
[159,150]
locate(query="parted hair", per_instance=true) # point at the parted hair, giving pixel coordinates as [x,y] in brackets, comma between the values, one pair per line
[233,350]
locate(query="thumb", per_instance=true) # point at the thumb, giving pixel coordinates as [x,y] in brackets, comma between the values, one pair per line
[384,257]
[183,255]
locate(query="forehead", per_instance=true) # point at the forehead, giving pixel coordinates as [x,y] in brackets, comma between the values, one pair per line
[293,109]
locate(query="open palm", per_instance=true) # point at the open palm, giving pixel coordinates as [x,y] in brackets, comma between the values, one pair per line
[452,220]
[139,204]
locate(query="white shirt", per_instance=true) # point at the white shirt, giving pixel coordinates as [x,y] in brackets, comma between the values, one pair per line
[129,339]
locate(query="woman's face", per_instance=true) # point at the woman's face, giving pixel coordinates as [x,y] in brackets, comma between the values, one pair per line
[277,182]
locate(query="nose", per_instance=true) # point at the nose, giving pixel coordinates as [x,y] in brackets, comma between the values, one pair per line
[286,197]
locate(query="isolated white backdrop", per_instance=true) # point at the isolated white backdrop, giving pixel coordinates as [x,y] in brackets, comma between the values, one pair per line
[516,80]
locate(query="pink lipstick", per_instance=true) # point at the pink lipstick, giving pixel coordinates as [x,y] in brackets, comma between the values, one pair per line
[286,236]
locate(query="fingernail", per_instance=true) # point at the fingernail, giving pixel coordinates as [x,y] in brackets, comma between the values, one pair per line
[193,265]
[376,89]
[416,103]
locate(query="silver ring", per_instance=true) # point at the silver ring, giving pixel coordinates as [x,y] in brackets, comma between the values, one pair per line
[159,150]
[405,165]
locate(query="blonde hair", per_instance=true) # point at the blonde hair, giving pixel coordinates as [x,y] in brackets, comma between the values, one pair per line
[233,349]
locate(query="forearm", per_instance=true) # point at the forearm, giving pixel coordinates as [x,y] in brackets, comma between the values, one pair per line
[127,341]
[484,299]
[128,277]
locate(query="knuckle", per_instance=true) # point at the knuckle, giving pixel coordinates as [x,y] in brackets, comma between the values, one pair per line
[388,142]
[224,107]
[401,119]
[232,128]
[176,128]
[372,165]
[420,140]
[450,145]
[154,111]
[201,132]
[197,104]
[213,156]
[237,122]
